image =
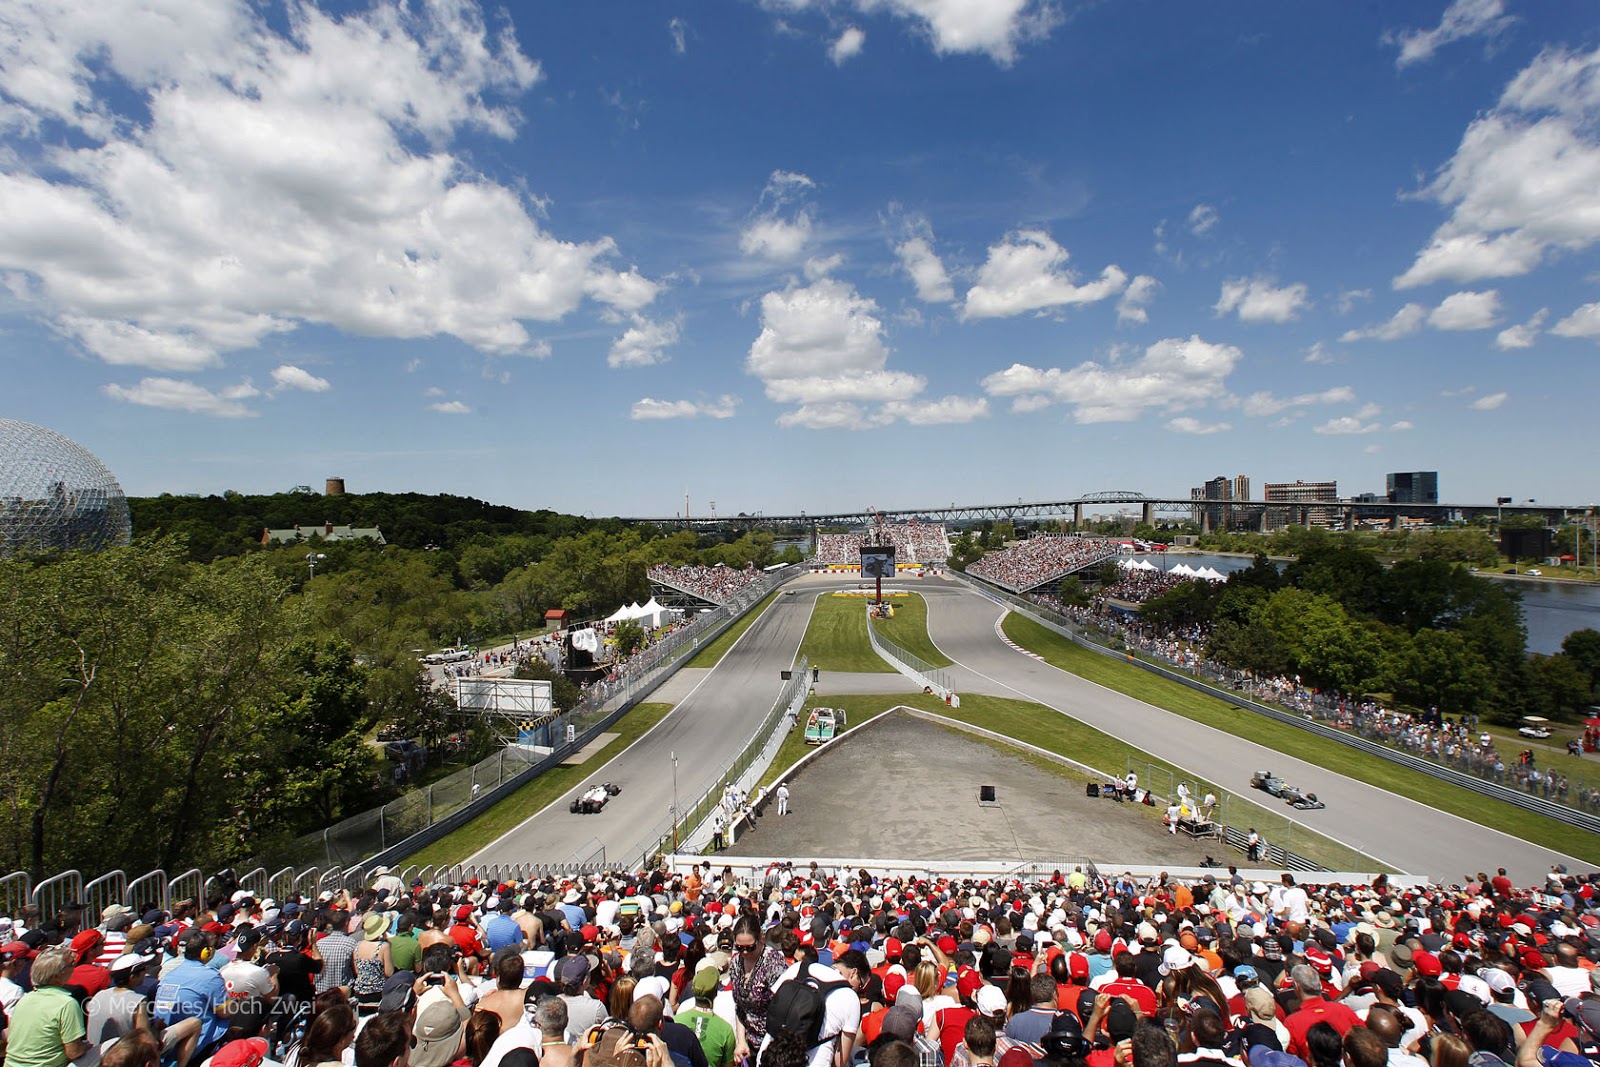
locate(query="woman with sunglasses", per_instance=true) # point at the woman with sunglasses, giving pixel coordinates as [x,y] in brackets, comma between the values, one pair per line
[753,976]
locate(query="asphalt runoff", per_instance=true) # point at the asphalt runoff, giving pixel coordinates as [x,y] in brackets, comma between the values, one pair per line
[904,788]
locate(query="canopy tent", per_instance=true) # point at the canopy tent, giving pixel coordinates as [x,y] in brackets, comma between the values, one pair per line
[652,614]
[1144,565]
[620,615]
[1182,570]
[1211,574]
[1126,563]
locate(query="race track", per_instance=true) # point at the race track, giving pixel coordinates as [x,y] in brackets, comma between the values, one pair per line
[721,706]
[1413,837]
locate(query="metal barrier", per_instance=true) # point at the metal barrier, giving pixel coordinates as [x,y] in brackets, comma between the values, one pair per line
[53,893]
[149,891]
[790,698]
[16,892]
[101,893]
[923,673]
[187,886]
[1063,626]
[280,886]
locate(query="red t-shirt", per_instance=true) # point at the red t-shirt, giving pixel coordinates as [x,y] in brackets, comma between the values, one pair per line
[466,938]
[1556,1036]
[1312,1011]
[952,1029]
[90,978]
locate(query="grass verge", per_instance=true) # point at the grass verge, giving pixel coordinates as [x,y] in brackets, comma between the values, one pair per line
[1340,759]
[909,630]
[712,654]
[836,639]
[463,842]
[1022,720]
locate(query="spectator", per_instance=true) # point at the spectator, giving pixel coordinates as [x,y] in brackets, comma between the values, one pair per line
[47,1027]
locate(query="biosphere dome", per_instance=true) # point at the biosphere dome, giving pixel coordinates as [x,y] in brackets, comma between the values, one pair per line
[54,494]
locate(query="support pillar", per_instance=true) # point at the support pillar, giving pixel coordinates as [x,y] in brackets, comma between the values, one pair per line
[1261,521]
[1205,520]
[1077,518]
[1149,514]
[1349,518]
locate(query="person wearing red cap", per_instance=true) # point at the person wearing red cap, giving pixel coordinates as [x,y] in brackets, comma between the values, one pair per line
[465,933]
[87,975]
[15,958]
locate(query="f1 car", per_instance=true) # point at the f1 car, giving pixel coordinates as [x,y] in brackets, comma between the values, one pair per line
[1300,799]
[591,800]
[1268,781]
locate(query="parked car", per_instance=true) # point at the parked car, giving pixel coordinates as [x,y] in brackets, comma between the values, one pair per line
[404,751]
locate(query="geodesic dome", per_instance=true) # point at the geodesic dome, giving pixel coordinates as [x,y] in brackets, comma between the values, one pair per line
[54,494]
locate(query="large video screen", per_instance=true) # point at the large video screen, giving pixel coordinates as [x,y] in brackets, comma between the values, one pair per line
[877,561]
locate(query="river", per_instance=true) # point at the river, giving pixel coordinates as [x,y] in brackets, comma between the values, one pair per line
[1552,610]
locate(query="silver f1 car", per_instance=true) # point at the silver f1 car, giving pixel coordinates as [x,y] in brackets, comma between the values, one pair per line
[593,799]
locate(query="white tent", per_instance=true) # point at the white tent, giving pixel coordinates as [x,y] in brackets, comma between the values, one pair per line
[620,615]
[1126,563]
[1144,565]
[1211,574]
[652,614]
[1182,570]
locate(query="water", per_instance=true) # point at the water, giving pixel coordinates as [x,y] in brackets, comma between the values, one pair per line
[1552,609]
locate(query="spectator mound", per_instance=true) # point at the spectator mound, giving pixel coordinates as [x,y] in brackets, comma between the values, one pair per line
[926,807]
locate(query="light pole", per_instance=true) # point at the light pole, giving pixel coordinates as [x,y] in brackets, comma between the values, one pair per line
[674,803]
[312,559]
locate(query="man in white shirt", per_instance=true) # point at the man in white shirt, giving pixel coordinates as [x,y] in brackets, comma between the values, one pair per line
[783,799]
[841,1019]
[1294,909]
[1569,979]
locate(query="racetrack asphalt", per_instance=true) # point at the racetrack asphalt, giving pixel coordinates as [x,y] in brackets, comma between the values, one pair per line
[716,714]
[1412,836]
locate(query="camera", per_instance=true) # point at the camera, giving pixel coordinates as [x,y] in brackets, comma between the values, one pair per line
[433,979]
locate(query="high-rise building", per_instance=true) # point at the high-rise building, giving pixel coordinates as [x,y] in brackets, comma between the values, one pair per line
[1241,487]
[1301,493]
[1212,516]
[1413,487]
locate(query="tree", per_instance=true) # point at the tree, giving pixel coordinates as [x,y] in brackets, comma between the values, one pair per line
[1437,668]
[1582,647]
[1071,592]
[629,638]
[1557,685]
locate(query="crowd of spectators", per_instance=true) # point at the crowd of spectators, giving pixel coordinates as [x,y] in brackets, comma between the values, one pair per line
[838,550]
[1136,587]
[1040,559]
[718,584]
[914,542]
[802,967]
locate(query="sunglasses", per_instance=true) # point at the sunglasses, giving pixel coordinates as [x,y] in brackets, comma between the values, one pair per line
[745,948]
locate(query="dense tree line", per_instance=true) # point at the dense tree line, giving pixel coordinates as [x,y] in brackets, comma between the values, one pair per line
[167,704]
[1427,632]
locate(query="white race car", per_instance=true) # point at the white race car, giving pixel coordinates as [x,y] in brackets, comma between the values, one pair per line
[593,799]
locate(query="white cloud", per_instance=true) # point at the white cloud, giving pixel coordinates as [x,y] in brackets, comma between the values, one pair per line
[1583,322]
[848,45]
[1348,424]
[993,27]
[432,391]
[176,395]
[1490,402]
[1259,300]
[778,230]
[721,408]
[1402,426]
[1022,274]
[1203,219]
[1262,404]
[926,270]
[1466,311]
[1189,424]
[950,410]
[1462,19]
[1319,352]
[1349,298]
[451,407]
[288,376]
[1373,450]
[1172,375]
[821,266]
[1140,291]
[1522,335]
[679,29]
[230,179]
[1407,321]
[644,343]
[834,415]
[1525,181]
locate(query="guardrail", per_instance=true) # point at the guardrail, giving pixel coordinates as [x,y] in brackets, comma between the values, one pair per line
[665,837]
[1063,626]
[918,670]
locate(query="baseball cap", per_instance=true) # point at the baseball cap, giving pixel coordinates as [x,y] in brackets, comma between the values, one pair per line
[128,961]
[706,981]
[990,1000]
[246,1052]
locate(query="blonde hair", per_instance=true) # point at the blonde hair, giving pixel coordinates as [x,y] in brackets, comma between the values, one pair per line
[926,979]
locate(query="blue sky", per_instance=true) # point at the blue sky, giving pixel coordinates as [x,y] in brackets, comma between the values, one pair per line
[805,254]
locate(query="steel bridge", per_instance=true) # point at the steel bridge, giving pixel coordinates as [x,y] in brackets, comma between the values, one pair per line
[1209,514]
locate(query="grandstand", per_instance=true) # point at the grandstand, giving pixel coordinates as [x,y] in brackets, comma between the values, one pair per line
[712,585]
[915,544]
[1040,560]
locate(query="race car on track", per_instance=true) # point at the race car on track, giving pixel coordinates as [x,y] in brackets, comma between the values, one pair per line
[1268,781]
[591,800]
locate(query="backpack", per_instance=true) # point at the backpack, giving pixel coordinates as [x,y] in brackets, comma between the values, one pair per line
[798,1007]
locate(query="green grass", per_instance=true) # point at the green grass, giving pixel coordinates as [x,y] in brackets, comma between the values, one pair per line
[909,630]
[1034,724]
[712,654]
[1340,759]
[836,640]
[463,842]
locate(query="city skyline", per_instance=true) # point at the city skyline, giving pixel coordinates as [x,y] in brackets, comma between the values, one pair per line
[804,254]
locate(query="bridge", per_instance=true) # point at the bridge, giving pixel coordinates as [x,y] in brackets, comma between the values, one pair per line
[1234,514]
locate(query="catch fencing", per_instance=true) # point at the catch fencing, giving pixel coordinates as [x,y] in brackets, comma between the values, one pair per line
[918,670]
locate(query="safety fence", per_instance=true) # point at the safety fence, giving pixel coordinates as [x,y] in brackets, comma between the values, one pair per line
[918,670]
[680,826]
[1074,631]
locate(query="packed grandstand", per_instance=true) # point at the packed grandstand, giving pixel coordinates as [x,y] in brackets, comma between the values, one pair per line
[786,965]
[1025,564]
[717,584]
[914,542]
